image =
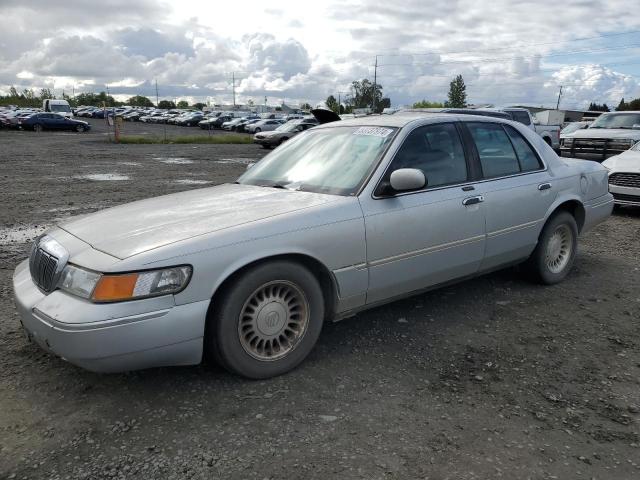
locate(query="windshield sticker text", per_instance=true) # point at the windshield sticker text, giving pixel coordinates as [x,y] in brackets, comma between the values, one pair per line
[373,131]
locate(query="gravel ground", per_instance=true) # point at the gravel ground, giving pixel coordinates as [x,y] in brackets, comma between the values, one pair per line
[491,378]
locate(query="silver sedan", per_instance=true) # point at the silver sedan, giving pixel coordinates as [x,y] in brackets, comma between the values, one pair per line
[341,218]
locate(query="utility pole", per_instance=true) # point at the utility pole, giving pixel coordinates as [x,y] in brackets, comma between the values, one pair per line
[233,80]
[559,95]
[157,93]
[375,81]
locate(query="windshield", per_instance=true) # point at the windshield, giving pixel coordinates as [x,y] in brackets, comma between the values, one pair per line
[328,160]
[617,120]
[573,127]
[60,108]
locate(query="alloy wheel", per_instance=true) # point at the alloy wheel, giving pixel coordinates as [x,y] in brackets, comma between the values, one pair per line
[273,320]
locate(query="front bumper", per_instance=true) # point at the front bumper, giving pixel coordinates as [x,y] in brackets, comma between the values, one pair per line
[112,337]
[625,195]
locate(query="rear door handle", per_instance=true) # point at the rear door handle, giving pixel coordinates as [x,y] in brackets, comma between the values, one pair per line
[472,200]
[544,186]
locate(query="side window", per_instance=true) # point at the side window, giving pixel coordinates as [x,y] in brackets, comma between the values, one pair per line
[528,159]
[497,156]
[437,151]
[522,117]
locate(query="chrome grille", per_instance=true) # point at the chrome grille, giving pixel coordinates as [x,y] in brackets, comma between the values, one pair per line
[625,179]
[46,262]
[43,268]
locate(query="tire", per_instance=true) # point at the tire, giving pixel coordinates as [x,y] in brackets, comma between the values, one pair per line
[560,234]
[283,299]
[266,147]
[257,130]
[79,128]
[37,128]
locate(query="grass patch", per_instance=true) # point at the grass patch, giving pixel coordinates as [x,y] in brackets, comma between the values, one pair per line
[215,139]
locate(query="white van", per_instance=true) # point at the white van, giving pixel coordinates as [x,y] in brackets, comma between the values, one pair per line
[60,107]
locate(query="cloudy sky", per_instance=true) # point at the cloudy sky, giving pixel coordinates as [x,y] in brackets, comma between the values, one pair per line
[508,51]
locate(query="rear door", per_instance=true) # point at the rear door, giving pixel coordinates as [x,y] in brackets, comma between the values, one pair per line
[517,191]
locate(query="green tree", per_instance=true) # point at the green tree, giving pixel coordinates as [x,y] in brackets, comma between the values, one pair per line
[622,105]
[45,93]
[306,106]
[457,96]
[332,104]
[199,105]
[634,104]
[362,95]
[166,104]
[595,107]
[182,104]
[427,104]
[140,101]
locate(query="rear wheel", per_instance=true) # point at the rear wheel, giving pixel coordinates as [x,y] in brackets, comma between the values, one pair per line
[267,321]
[555,253]
[258,130]
[37,127]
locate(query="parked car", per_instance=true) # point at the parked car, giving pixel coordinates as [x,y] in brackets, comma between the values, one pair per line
[264,126]
[281,134]
[624,176]
[610,134]
[190,120]
[52,121]
[242,127]
[341,218]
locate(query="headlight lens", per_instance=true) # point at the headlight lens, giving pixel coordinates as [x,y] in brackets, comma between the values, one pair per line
[78,281]
[127,286]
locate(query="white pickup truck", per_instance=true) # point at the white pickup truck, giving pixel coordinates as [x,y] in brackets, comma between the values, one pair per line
[549,133]
[610,134]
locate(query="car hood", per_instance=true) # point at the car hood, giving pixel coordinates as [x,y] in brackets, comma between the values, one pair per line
[324,115]
[140,226]
[605,133]
[628,162]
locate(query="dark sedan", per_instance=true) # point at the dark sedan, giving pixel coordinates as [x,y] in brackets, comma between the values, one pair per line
[52,121]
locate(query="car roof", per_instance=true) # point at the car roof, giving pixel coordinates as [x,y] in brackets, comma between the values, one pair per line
[402,119]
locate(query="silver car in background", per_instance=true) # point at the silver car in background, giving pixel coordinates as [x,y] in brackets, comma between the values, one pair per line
[341,218]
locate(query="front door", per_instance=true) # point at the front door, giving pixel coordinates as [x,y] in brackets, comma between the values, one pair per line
[423,238]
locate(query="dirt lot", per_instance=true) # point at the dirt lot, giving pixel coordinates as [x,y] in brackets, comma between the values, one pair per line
[491,378]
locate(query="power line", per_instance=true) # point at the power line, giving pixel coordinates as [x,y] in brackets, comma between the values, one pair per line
[557,42]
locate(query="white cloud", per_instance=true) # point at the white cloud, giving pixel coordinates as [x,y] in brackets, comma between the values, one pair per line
[305,51]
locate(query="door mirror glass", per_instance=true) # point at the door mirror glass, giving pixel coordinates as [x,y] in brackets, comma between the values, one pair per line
[406,179]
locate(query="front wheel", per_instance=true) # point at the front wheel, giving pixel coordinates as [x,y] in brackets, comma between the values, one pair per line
[267,321]
[555,253]
[258,130]
[79,128]
[37,127]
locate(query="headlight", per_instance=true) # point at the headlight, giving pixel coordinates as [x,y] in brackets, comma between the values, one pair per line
[126,286]
[78,281]
[568,142]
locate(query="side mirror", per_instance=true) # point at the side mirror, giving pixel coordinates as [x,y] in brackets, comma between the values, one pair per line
[406,179]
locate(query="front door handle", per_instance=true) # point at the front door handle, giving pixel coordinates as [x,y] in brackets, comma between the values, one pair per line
[472,200]
[544,186]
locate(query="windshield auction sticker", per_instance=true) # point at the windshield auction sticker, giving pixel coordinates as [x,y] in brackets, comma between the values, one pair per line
[373,131]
